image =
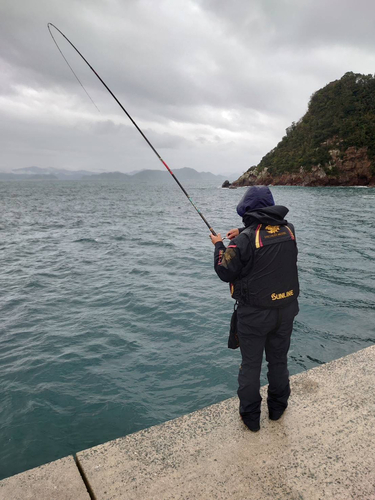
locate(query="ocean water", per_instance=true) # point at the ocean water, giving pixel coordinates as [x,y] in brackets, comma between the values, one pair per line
[113,320]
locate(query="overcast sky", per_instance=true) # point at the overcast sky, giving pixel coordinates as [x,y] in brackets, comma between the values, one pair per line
[212,83]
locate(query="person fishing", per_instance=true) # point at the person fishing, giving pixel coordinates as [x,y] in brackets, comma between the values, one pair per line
[260,263]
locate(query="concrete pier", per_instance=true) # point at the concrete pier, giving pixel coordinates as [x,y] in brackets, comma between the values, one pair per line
[57,480]
[322,448]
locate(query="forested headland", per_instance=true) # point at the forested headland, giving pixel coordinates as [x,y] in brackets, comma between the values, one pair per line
[332,144]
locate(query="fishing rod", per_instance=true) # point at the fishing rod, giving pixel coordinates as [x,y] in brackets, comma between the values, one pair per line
[127,114]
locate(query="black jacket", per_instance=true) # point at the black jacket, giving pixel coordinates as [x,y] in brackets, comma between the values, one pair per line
[260,263]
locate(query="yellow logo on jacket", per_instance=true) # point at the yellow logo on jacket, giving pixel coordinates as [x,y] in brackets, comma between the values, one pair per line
[283,295]
[272,229]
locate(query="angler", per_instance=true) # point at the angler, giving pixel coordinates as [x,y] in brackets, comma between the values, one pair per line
[260,263]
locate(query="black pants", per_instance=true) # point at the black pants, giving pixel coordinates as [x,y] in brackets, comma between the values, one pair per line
[260,329]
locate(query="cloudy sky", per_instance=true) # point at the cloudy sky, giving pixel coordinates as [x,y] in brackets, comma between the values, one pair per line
[212,83]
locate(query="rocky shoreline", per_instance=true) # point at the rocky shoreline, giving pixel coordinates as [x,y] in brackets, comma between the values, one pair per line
[351,168]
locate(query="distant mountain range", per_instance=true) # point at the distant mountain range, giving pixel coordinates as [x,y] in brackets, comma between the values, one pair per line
[48,173]
[154,176]
[160,176]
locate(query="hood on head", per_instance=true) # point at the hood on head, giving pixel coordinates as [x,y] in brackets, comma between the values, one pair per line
[256,197]
[268,215]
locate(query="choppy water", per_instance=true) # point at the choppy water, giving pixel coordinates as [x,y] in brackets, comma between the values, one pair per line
[112,318]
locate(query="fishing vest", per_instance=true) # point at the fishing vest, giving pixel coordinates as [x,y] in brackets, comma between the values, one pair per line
[270,279]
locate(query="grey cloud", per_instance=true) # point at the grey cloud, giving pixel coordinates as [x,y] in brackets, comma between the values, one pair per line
[204,77]
[292,23]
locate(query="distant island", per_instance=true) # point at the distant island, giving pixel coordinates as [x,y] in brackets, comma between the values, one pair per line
[333,144]
[154,176]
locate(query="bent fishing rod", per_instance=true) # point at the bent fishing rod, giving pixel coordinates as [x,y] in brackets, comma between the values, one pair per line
[127,114]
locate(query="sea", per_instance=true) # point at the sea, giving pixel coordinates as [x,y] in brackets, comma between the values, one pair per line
[113,319]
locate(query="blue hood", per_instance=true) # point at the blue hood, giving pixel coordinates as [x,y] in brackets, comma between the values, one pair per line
[255,197]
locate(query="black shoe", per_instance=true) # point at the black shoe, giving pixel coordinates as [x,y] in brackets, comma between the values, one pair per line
[275,415]
[251,424]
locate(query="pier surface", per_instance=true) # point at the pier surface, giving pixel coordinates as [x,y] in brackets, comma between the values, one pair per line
[57,480]
[322,448]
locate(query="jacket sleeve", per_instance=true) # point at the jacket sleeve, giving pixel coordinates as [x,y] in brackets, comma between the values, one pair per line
[227,261]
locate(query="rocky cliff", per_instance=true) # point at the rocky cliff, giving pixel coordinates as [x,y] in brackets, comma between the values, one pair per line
[352,168]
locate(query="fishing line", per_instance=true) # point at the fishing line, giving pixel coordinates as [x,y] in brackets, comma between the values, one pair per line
[127,114]
[71,69]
